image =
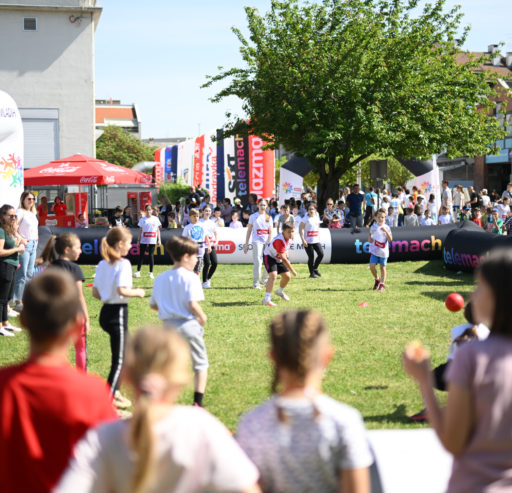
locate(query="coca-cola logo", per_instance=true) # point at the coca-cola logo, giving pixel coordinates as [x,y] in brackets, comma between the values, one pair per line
[226,247]
[110,179]
[90,180]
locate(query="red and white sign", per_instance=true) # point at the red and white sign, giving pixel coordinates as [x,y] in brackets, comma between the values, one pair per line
[197,180]
[261,169]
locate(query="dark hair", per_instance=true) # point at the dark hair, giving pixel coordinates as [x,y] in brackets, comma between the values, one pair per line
[7,226]
[50,304]
[118,209]
[177,246]
[496,269]
[108,243]
[56,246]
[293,337]
[287,226]
[217,209]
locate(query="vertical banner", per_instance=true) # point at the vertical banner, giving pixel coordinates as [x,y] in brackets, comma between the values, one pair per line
[197,179]
[11,151]
[221,193]
[210,166]
[229,168]
[186,161]
[261,169]
[242,168]
[428,183]
[290,185]
[168,174]
[174,163]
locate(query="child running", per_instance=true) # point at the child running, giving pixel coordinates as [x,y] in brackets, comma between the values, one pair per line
[300,439]
[176,296]
[164,447]
[309,231]
[380,237]
[275,258]
[62,252]
[149,237]
[195,231]
[113,286]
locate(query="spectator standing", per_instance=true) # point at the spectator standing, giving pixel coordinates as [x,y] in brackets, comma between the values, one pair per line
[354,202]
[59,208]
[446,197]
[42,211]
[508,192]
[370,199]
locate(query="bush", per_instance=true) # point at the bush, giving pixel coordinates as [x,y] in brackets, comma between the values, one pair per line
[173,191]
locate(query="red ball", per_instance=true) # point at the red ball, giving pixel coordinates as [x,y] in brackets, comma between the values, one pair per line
[454,302]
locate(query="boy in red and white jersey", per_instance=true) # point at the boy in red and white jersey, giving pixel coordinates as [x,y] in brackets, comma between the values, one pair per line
[379,238]
[259,230]
[276,262]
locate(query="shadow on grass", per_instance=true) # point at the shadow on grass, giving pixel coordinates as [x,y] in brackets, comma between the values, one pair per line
[231,303]
[397,416]
[341,290]
[436,268]
[446,282]
[441,295]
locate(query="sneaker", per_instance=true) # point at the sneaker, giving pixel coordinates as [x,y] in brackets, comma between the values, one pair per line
[120,401]
[6,333]
[313,276]
[420,417]
[136,274]
[268,303]
[317,273]
[151,276]
[18,307]
[256,285]
[12,328]
[282,294]
[381,287]
[206,285]
[376,285]
[10,312]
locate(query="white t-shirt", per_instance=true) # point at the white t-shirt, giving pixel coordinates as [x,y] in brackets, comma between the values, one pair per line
[503,210]
[426,221]
[308,451]
[260,227]
[150,226]
[197,233]
[390,221]
[173,290]
[395,204]
[312,229]
[236,224]
[379,245]
[482,332]
[486,200]
[446,197]
[194,453]
[27,224]
[109,277]
[445,219]
[210,228]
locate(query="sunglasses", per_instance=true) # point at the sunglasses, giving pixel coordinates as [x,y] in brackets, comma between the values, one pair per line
[11,216]
[30,198]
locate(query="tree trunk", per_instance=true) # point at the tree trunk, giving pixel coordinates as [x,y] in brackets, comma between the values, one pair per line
[328,186]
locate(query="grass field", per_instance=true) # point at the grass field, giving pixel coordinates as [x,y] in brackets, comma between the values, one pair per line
[366,371]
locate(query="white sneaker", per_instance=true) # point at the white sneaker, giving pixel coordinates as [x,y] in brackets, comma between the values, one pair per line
[256,285]
[136,274]
[12,328]
[11,313]
[268,303]
[151,276]
[206,285]
[282,294]
[4,332]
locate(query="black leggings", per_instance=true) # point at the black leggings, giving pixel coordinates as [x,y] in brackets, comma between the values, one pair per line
[114,321]
[210,264]
[7,277]
[151,253]
[310,249]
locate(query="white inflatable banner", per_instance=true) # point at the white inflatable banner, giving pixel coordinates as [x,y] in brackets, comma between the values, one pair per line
[290,185]
[11,151]
[210,166]
[230,249]
[186,161]
[428,184]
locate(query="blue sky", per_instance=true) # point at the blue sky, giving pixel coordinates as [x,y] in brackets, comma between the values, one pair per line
[156,54]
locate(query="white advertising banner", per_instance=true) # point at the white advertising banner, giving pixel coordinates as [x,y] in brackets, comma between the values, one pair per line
[290,185]
[210,166]
[428,183]
[229,168]
[230,249]
[11,151]
[185,161]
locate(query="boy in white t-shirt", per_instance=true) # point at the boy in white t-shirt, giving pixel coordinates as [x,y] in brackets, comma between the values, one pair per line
[504,208]
[196,232]
[379,238]
[176,296]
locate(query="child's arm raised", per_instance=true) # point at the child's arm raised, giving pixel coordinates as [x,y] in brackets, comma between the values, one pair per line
[197,311]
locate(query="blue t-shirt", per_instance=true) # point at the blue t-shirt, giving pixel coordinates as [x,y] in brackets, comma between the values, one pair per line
[368,197]
[354,201]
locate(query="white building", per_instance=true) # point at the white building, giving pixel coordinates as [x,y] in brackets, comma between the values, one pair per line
[47,66]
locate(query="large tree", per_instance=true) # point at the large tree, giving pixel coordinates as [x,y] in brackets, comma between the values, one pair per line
[118,146]
[340,80]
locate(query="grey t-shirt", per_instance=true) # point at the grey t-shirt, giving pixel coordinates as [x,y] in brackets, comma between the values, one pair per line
[309,449]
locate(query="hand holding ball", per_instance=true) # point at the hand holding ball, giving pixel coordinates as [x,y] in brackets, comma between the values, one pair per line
[454,302]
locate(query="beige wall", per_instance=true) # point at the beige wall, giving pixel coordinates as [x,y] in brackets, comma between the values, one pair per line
[52,68]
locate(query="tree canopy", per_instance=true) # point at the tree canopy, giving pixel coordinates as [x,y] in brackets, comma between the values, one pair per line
[118,146]
[341,80]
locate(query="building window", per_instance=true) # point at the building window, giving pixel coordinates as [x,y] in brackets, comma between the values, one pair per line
[29,24]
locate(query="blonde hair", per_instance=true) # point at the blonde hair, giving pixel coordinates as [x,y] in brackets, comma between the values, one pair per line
[108,243]
[24,195]
[157,360]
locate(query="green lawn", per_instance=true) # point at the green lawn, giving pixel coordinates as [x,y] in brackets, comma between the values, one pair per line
[366,370]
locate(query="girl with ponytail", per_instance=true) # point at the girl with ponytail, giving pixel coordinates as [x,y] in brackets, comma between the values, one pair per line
[163,447]
[113,286]
[301,439]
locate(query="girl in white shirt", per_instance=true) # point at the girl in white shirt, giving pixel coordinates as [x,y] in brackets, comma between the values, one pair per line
[149,238]
[113,286]
[309,231]
[164,447]
[210,255]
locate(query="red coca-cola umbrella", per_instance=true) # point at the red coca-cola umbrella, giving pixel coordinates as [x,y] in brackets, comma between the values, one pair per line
[83,170]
